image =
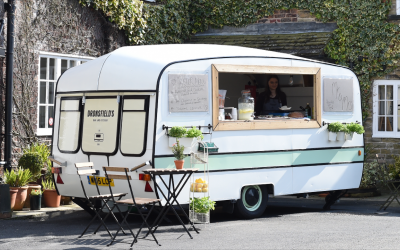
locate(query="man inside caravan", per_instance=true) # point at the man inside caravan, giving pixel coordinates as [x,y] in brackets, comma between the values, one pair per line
[272,99]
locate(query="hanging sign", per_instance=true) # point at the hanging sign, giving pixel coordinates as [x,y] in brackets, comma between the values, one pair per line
[188,93]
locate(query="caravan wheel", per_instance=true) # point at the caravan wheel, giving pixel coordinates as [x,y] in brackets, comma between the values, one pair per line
[252,203]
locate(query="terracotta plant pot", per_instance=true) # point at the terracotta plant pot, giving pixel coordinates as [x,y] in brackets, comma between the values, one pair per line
[13,197]
[20,197]
[51,198]
[179,164]
[30,188]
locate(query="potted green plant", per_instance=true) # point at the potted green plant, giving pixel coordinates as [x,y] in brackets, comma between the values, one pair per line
[333,129]
[177,150]
[18,189]
[50,196]
[36,199]
[199,209]
[34,162]
[175,133]
[353,128]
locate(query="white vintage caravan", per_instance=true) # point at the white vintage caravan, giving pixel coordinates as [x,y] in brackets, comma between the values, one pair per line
[111,111]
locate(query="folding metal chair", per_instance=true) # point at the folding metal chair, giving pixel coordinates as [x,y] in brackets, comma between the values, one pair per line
[95,202]
[134,202]
[392,185]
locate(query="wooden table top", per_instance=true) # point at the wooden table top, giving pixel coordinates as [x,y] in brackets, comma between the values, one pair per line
[170,170]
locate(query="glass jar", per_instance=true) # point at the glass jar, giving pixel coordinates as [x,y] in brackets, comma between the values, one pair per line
[246,106]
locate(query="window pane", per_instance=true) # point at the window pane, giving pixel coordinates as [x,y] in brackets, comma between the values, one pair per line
[69,131]
[134,104]
[52,68]
[50,115]
[42,93]
[389,108]
[82,62]
[42,116]
[70,105]
[100,125]
[72,64]
[64,65]
[381,108]
[389,92]
[51,92]
[381,92]
[43,67]
[389,123]
[132,133]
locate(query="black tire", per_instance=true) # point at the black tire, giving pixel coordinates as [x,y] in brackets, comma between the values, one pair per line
[253,202]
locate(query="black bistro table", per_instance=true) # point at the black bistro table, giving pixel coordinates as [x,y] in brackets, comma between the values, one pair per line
[173,192]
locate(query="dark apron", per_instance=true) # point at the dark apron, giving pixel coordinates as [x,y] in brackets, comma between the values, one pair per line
[271,106]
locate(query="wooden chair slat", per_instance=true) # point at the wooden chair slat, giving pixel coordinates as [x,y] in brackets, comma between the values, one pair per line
[115,169]
[118,176]
[84,164]
[87,171]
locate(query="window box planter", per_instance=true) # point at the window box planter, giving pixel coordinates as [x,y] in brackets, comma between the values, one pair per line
[340,136]
[349,136]
[185,141]
[332,136]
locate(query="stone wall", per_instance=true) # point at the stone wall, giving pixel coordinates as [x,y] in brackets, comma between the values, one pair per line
[60,26]
[289,16]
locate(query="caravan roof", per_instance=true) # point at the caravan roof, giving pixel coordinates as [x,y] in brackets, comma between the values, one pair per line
[138,67]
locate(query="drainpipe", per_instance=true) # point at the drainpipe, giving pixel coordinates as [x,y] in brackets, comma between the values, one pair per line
[10,8]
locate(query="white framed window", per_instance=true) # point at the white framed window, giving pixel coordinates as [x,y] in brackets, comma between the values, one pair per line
[51,67]
[386,112]
[398,7]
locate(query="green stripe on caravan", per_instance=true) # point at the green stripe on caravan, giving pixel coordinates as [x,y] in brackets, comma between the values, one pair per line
[273,159]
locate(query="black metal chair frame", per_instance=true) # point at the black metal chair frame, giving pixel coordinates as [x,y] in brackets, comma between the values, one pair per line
[390,184]
[151,202]
[94,201]
[171,198]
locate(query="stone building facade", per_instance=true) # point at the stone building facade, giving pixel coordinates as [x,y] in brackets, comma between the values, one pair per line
[50,37]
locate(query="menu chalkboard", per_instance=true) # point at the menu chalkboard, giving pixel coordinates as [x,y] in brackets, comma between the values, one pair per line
[188,93]
[338,95]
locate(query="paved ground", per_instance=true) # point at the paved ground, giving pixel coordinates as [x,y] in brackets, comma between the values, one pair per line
[288,223]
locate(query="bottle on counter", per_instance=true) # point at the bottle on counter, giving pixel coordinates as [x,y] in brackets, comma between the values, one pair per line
[246,106]
[308,111]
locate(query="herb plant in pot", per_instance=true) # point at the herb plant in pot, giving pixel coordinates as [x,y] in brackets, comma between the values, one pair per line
[334,128]
[177,150]
[353,128]
[192,137]
[175,133]
[200,209]
[17,181]
[50,196]
[36,199]
[34,162]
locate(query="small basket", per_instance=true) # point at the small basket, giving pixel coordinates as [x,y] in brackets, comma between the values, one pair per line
[199,218]
[209,145]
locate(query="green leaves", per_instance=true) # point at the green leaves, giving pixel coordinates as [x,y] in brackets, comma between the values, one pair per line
[201,205]
[17,179]
[362,27]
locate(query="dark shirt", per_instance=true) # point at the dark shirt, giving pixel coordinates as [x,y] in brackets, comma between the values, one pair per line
[262,98]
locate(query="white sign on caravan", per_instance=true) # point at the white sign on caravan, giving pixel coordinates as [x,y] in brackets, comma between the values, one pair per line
[188,93]
[338,95]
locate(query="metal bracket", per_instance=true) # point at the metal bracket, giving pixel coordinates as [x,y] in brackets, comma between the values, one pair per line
[62,164]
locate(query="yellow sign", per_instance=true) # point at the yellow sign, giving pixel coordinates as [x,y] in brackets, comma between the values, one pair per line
[101,181]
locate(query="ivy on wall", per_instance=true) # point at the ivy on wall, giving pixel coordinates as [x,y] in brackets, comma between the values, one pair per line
[364,39]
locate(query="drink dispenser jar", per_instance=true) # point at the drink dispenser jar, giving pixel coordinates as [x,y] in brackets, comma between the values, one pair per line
[246,106]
